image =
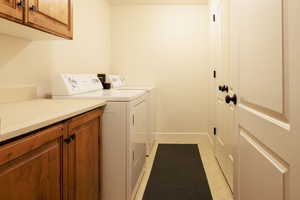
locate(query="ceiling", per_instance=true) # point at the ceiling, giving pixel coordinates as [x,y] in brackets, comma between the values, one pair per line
[171,2]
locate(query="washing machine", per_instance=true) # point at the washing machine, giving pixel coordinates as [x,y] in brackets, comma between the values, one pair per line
[117,83]
[124,131]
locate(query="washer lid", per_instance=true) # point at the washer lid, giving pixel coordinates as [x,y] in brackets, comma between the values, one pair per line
[122,95]
[108,95]
[147,88]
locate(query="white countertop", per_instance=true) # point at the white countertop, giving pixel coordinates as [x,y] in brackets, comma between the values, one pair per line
[26,116]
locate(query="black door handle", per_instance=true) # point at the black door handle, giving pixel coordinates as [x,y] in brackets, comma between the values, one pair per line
[223,88]
[232,99]
[220,88]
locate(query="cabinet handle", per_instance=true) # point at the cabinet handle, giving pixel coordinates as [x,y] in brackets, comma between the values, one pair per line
[33,8]
[67,140]
[73,137]
[21,4]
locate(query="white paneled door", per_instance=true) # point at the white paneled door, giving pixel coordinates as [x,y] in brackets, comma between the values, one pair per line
[257,57]
[266,52]
[225,111]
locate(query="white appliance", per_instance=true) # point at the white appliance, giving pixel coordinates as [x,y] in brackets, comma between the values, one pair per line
[118,83]
[124,131]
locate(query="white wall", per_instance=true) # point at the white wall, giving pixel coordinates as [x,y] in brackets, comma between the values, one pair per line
[166,45]
[33,62]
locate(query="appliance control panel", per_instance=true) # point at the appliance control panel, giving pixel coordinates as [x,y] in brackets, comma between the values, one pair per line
[81,83]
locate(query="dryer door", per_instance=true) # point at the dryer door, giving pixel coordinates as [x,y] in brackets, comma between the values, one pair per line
[138,139]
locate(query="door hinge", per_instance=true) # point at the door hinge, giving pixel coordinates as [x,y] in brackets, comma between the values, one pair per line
[133,156]
[215,131]
[133,120]
[214,17]
[215,74]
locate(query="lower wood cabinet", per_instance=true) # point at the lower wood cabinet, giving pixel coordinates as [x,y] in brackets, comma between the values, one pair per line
[84,157]
[61,162]
[31,168]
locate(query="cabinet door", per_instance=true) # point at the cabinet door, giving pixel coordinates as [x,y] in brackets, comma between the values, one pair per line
[12,9]
[138,134]
[53,16]
[84,151]
[31,168]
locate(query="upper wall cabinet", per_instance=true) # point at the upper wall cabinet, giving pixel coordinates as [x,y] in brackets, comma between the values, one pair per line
[12,9]
[53,17]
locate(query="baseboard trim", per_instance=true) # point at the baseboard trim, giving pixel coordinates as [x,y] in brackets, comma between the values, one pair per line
[180,136]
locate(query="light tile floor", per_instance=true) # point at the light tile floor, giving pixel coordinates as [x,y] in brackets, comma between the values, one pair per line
[218,186]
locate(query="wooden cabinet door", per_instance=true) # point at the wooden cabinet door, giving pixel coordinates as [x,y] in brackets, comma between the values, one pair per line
[53,16]
[12,9]
[31,168]
[84,156]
